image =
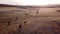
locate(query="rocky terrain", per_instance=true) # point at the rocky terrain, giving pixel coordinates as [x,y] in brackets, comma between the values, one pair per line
[29,20]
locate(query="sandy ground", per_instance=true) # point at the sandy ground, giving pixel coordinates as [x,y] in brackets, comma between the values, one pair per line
[29,21]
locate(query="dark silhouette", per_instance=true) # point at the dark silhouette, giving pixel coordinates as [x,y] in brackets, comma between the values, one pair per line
[37,12]
[57,10]
[25,22]
[53,21]
[8,22]
[16,18]
[25,14]
[20,26]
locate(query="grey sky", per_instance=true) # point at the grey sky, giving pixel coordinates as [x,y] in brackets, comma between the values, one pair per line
[29,2]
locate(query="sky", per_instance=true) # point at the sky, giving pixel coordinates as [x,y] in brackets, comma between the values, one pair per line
[29,2]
